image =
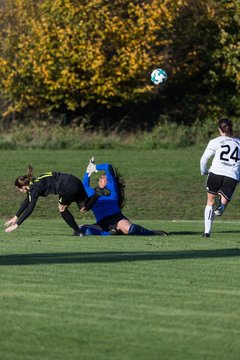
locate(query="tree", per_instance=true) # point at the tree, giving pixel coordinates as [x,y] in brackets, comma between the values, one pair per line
[72,54]
[204,60]
[82,56]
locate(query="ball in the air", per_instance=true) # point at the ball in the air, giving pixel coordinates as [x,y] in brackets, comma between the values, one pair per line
[158,76]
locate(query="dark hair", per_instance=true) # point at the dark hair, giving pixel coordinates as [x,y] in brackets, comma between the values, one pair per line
[226,126]
[121,187]
[25,179]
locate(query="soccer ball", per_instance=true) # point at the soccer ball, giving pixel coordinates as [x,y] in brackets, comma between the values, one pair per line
[158,76]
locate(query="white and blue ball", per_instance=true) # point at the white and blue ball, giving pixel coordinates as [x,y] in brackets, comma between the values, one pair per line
[158,76]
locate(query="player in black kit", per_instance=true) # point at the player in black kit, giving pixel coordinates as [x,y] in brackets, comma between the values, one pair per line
[68,187]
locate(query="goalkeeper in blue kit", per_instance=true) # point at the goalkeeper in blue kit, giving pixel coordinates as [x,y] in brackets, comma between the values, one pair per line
[108,207]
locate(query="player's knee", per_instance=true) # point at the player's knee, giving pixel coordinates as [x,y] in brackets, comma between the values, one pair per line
[123,226]
[62,208]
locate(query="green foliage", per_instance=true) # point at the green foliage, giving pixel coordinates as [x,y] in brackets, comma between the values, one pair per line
[204,59]
[166,134]
[172,135]
[44,136]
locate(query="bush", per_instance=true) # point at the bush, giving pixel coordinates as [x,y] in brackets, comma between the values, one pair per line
[164,135]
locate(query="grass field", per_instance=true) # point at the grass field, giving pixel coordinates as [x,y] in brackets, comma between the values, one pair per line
[174,297]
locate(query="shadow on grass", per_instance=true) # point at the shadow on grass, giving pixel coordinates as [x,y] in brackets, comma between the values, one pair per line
[109,257]
[185,233]
[201,232]
[229,232]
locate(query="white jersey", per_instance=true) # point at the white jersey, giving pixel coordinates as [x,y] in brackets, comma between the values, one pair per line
[226,161]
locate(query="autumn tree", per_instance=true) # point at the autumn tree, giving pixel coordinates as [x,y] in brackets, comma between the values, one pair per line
[204,59]
[82,56]
[70,54]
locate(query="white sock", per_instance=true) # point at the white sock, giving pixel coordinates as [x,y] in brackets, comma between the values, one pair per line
[208,218]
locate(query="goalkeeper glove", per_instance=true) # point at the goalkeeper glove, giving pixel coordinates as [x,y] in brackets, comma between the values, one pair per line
[91,167]
[102,191]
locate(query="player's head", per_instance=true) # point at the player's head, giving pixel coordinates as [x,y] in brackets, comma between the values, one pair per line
[226,126]
[22,182]
[102,182]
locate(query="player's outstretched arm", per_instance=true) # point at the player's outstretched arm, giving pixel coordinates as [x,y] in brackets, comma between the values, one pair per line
[111,179]
[12,221]
[15,222]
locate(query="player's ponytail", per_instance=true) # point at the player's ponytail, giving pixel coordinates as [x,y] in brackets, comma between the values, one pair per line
[25,179]
[30,172]
[121,188]
[226,126]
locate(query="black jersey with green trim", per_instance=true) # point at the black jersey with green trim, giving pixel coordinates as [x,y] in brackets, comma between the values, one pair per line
[66,185]
[51,183]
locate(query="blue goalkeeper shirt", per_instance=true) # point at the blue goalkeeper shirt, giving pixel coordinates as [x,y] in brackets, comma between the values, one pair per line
[105,205]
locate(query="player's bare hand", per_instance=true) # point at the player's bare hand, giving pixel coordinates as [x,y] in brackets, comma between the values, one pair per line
[11,228]
[11,221]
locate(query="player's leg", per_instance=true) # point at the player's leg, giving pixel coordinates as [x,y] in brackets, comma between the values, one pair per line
[221,206]
[96,230]
[226,192]
[75,192]
[209,214]
[139,230]
[127,228]
[68,218]
[123,226]
[214,183]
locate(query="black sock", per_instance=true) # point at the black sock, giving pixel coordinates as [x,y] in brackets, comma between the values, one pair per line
[68,217]
[139,230]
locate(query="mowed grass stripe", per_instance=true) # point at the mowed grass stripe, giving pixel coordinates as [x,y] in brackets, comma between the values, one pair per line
[160,184]
[121,297]
[114,299]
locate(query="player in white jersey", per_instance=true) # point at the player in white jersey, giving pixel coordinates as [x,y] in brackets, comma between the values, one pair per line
[224,172]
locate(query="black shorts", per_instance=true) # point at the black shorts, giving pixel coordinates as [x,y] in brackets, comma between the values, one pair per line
[111,221]
[219,184]
[75,192]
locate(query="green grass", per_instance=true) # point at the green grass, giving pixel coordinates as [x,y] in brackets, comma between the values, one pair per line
[160,184]
[119,297]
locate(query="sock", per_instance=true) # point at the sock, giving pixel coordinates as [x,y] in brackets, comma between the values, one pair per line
[68,217]
[139,230]
[208,218]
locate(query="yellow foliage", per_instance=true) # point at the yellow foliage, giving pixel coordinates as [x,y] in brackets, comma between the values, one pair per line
[68,52]
[71,53]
